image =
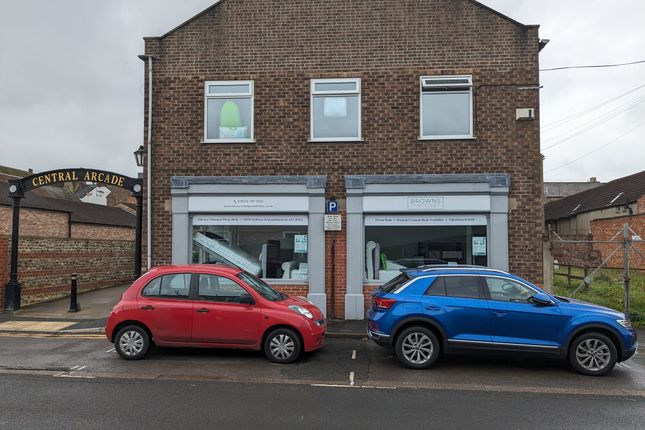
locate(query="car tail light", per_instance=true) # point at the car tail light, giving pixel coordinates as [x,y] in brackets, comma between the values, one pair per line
[380,303]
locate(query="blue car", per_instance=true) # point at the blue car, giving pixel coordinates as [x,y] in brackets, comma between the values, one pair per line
[429,310]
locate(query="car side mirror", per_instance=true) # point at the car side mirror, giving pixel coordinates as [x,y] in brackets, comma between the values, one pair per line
[542,299]
[246,299]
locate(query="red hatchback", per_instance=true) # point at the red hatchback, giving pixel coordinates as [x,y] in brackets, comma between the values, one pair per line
[212,306]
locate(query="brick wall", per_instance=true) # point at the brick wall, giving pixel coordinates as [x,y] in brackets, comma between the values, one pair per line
[605,229]
[102,232]
[389,45]
[45,265]
[4,266]
[35,222]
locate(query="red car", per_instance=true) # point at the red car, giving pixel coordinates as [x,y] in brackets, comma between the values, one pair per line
[212,306]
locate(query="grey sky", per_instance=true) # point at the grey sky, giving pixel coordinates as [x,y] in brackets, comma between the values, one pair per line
[71,84]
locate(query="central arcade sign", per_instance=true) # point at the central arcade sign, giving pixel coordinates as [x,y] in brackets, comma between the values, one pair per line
[85,175]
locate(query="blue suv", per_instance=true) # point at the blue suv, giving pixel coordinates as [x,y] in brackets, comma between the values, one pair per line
[433,309]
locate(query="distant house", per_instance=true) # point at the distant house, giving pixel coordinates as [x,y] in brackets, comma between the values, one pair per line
[573,215]
[92,193]
[559,190]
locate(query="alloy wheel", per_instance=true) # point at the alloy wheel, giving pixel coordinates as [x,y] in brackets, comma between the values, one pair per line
[593,354]
[417,348]
[282,346]
[131,343]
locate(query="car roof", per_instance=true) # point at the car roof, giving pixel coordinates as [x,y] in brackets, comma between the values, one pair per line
[441,269]
[198,268]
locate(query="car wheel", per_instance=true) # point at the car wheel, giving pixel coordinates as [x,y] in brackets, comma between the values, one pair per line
[417,348]
[282,346]
[593,354]
[132,342]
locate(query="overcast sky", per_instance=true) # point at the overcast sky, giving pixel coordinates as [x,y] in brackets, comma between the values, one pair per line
[71,85]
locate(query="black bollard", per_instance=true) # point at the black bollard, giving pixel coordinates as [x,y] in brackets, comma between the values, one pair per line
[73,299]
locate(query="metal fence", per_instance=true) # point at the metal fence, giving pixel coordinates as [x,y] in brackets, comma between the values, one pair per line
[606,272]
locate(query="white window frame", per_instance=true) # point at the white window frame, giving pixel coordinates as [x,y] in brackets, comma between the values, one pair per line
[425,82]
[313,93]
[208,96]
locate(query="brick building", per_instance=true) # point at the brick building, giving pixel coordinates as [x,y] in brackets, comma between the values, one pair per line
[420,118]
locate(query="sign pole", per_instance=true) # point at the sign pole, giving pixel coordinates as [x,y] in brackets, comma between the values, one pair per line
[12,289]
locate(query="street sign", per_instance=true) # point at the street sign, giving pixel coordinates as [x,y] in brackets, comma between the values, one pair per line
[333,223]
[332,206]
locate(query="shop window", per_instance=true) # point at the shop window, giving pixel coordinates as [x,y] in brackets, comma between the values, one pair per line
[228,111]
[335,109]
[388,249]
[267,251]
[446,107]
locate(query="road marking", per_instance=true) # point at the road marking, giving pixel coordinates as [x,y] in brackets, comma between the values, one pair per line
[80,368]
[624,365]
[73,368]
[351,378]
[354,355]
[366,387]
[53,335]
[111,350]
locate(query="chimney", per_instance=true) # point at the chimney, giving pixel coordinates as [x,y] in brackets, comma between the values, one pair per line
[593,180]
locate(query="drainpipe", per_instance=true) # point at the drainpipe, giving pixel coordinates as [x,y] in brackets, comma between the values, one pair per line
[149,165]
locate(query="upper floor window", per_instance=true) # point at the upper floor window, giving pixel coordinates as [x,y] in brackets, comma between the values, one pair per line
[335,110]
[228,111]
[446,107]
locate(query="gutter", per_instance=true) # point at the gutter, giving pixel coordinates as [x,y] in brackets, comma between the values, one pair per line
[149,58]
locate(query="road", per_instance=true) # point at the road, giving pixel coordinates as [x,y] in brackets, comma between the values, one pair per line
[80,382]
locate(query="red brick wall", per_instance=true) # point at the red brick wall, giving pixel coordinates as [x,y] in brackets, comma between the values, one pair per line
[45,265]
[282,45]
[605,229]
[35,222]
[640,206]
[102,232]
[4,266]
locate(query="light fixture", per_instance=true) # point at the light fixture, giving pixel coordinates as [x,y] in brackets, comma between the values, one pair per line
[138,156]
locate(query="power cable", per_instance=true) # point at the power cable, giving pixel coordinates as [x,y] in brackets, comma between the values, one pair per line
[590,125]
[599,148]
[569,118]
[594,66]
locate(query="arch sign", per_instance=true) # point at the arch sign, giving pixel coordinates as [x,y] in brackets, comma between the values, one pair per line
[17,190]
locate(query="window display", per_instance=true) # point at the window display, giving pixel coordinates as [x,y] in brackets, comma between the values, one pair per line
[267,251]
[389,249]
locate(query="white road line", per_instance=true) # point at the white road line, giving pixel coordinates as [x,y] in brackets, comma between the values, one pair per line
[72,368]
[351,378]
[80,368]
[111,350]
[366,387]
[624,365]
[354,355]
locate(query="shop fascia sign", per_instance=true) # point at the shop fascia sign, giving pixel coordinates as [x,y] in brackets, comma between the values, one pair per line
[248,204]
[275,220]
[427,203]
[424,220]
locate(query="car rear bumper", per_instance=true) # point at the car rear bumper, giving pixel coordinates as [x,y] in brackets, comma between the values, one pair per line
[379,338]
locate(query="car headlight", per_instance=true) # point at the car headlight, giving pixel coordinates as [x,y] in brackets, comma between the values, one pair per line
[302,311]
[625,323]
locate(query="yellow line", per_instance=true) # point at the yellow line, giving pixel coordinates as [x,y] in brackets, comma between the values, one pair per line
[53,335]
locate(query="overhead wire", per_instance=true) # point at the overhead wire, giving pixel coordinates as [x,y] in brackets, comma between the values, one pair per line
[599,148]
[596,122]
[570,118]
[593,66]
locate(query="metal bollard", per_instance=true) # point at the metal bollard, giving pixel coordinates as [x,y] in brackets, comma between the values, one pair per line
[74,306]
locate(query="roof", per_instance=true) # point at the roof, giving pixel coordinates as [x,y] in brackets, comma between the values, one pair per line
[618,192]
[11,171]
[80,212]
[564,189]
[217,3]
[84,190]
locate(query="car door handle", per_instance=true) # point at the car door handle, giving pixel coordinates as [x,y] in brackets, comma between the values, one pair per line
[500,314]
[202,311]
[433,308]
[147,308]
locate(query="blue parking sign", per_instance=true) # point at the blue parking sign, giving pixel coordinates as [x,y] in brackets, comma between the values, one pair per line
[332,206]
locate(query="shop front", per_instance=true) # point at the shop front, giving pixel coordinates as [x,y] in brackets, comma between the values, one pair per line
[400,221]
[269,226]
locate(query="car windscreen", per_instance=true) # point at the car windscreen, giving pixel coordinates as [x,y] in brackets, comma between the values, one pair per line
[261,287]
[394,283]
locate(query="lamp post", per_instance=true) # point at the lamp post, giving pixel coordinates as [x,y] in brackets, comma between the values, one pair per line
[138,194]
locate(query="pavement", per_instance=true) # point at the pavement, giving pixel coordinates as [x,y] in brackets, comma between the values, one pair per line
[53,317]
